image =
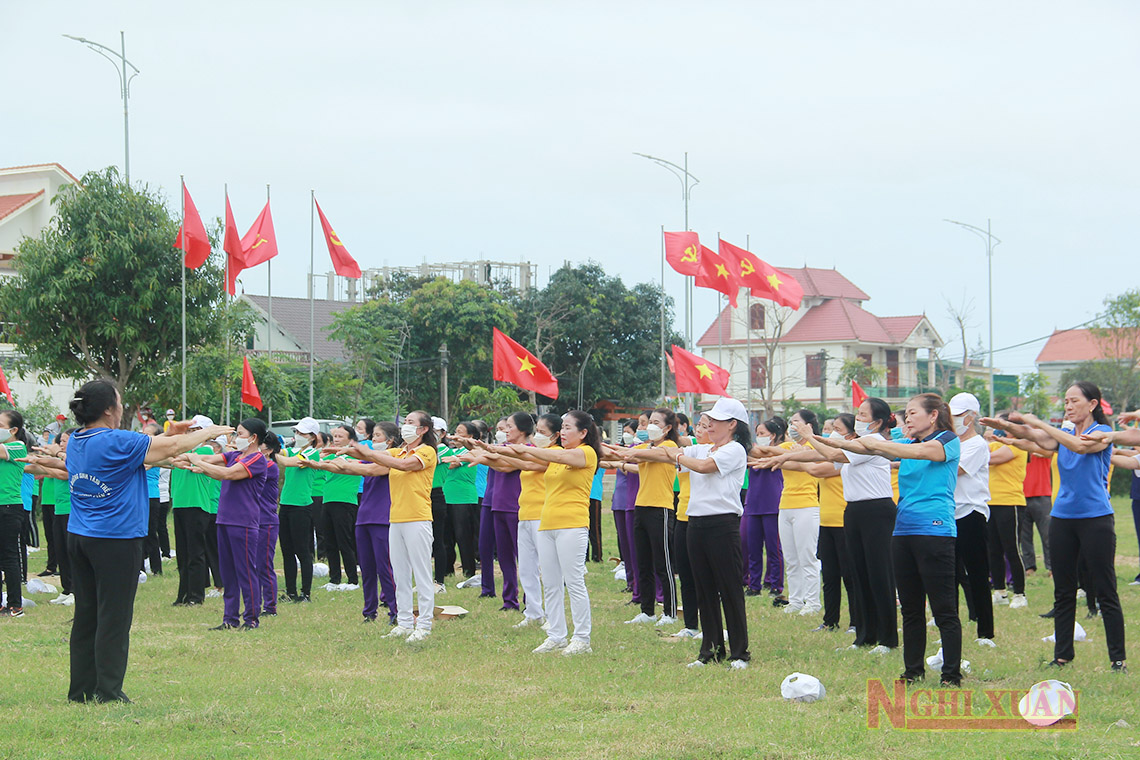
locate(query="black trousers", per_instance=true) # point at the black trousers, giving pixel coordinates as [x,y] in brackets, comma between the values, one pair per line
[867,528]
[11,545]
[1037,509]
[319,527]
[655,562]
[106,578]
[297,546]
[716,557]
[1094,540]
[340,540]
[465,528]
[1002,535]
[190,527]
[594,550]
[27,538]
[212,550]
[151,548]
[973,570]
[689,606]
[47,513]
[836,569]
[439,545]
[164,528]
[925,569]
[59,528]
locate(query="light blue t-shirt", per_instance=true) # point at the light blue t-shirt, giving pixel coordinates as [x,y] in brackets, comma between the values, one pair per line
[1084,482]
[152,476]
[596,486]
[480,480]
[926,491]
[27,490]
[108,483]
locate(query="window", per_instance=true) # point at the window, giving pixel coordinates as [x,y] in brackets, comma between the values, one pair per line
[892,368]
[813,370]
[756,316]
[758,371]
[865,358]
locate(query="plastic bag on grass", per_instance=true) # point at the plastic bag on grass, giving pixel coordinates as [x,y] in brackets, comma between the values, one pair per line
[38,586]
[800,687]
[320,570]
[935,661]
[1078,635]
[619,572]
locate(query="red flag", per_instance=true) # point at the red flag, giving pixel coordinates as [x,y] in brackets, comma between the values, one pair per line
[235,258]
[5,389]
[858,395]
[697,375]
[514,364]
[716,275]
[260,244]
[249,394]
[764,280]
[683,252]
[192,237]
[343,263]
[669,361]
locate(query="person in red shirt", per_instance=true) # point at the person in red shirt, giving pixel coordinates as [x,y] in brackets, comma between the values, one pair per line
[1038,502]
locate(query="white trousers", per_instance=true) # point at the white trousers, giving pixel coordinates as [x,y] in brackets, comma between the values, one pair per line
[409,548]
[529,577]
[562,554]
[799,542]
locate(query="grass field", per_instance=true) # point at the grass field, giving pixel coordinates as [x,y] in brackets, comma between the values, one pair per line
[315,682]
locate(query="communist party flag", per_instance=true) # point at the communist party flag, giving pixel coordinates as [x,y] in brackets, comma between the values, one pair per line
[5,389]
[858,395]
[260,244]
[235,257]
[683,252]
[343,263]
[697,375]
[760,277]
[514,364]
[714,274]
[249,394]
[192,239]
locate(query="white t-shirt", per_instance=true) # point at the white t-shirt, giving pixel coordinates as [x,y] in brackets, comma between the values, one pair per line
[866,476]
[972,492]
[164,485]
[717,493]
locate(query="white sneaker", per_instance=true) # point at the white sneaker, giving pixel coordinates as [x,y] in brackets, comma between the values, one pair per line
[738,664]
[852,630]
[985,643]
[1018,602]
[792,609]
[1134,583]
[576,646]
[687,633]
[173,554]
[142,576]
[417,636]
[640,618]
[441,588]
[326,587]
[665,620]
[880,649]
[695,664]
[213,594]
[1000,598]
[399,632]
[527,622]
[66,599]
[550,645]
[809,610]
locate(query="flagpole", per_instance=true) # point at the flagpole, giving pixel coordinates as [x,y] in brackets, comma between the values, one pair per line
[312,231]
[748,331]
[182,243]
[662,357]
[226,302]
[270,288]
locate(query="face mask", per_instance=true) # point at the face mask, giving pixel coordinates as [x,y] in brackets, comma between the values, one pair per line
[795,434]
[835,435]
[500,436]
[541,440]
[627,438]
[862,428]
[1068,426]
[960,426]
[409,432]
[654,432]
[643,435]
[241,444]
[382,446]
[5,435]
[765,440]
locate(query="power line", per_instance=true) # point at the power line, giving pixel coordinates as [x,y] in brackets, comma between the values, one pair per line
[1047,337]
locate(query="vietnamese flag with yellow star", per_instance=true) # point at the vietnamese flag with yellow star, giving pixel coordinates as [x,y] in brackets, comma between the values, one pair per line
[514,364]
[698,375]
[762,279]
[715,274]
[343,263]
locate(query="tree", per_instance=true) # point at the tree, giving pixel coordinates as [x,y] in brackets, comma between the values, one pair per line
[961,315]
[368,332]
[858,370]
[1034,396]
[766,346]
[490,405]
[1117,334]
[38,414]
[98,293]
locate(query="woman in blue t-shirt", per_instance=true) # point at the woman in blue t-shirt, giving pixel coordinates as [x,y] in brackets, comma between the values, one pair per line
[1081,524]
[922,548]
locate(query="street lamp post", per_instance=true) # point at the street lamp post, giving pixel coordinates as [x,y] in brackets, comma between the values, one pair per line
[991,243]
[119,60]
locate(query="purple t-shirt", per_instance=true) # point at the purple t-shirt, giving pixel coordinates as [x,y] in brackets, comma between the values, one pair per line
[508,487]
[240,500]
[375,501]
[620,500]
[489,493]
[763,494]
[632,486]
[269,496]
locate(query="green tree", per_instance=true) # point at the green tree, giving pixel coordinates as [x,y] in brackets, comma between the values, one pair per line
[38,413]
[369,334]
[490,405]
[1117,334]
[1034,396]
[98,293]
[861,372]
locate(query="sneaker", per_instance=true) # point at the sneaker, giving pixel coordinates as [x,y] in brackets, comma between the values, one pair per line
[67,600]
[417,636]
[696,664]
[779,601]
[46,574]
[824,627]
[1119,667]
[14,612]
[441,588]
[1135,582]
[687,633]
[576,646]
[1000,598]
[1057,664]
[911,678]
[791,608]
[880,649]
[142,576]
[985,643]
[1018,602]
[301,599]
[529,622]
[851,631]
[398,632]
[214,594]
[950,683]
[640,618]
[550,645]
[809,609]
[753,592]
[738,664]
[248,627]
[1049,614]
[665,620]
[224,627]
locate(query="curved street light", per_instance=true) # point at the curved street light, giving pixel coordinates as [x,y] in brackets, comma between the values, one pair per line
[991,243]
[119,60]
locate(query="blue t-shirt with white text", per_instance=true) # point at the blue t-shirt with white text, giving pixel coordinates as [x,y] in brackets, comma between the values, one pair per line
[108,483]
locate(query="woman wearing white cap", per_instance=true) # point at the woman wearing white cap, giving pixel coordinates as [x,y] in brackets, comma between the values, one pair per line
[296,511]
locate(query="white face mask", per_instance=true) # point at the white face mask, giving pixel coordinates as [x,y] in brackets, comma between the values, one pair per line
[764,440]
[960,426]
[500,436]
[541,440]
[241,444]
[656,432]
[835,435]
[5,435]
[1068,426]
[628,438]
[382,446]
[862,428]
[409,432]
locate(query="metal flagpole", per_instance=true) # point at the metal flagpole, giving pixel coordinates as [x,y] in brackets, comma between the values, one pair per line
[312,231]
[182,244]
[270,288]
[226,324]
[662,357]
[748,333]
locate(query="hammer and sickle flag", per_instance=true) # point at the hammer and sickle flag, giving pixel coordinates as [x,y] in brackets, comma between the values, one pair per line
[260,244]
[761,278]
[343,263]
[683,252]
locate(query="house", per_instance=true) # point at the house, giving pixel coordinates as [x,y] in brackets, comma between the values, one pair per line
[1066,349]
[774,353]
[290,328]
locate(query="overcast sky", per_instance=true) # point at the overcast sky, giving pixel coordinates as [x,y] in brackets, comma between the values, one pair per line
[829,133]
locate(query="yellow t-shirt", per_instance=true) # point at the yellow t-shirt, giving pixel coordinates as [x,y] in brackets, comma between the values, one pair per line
[411,491]
[831,502]
[895,483]
[683,497]
[568,493]
[656,487]
[1007,481]
[800,489]
[532,495]
[1055,473]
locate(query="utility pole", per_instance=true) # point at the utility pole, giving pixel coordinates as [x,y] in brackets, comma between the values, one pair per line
[443,380]
[118,58]
[991,243]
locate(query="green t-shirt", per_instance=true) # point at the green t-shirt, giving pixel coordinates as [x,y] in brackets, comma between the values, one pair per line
[12,474]
[298,488]
[439,477]
[47,492]
[193,489]
[342,488]
[459,485]
[320,477]
[62,495]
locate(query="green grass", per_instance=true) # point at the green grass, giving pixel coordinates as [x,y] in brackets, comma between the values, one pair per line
[315,683]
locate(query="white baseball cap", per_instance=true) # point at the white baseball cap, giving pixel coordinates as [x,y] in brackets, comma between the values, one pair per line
[439,423]
[728,409]
[201,421]
[169,412]
[307,426]
[965,402]
[221,440]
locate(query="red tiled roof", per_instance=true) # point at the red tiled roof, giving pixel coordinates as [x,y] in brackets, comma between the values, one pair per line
[901,327]
[825,283]
[10,204]
[836,319]
[41,166]
[1076,346]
